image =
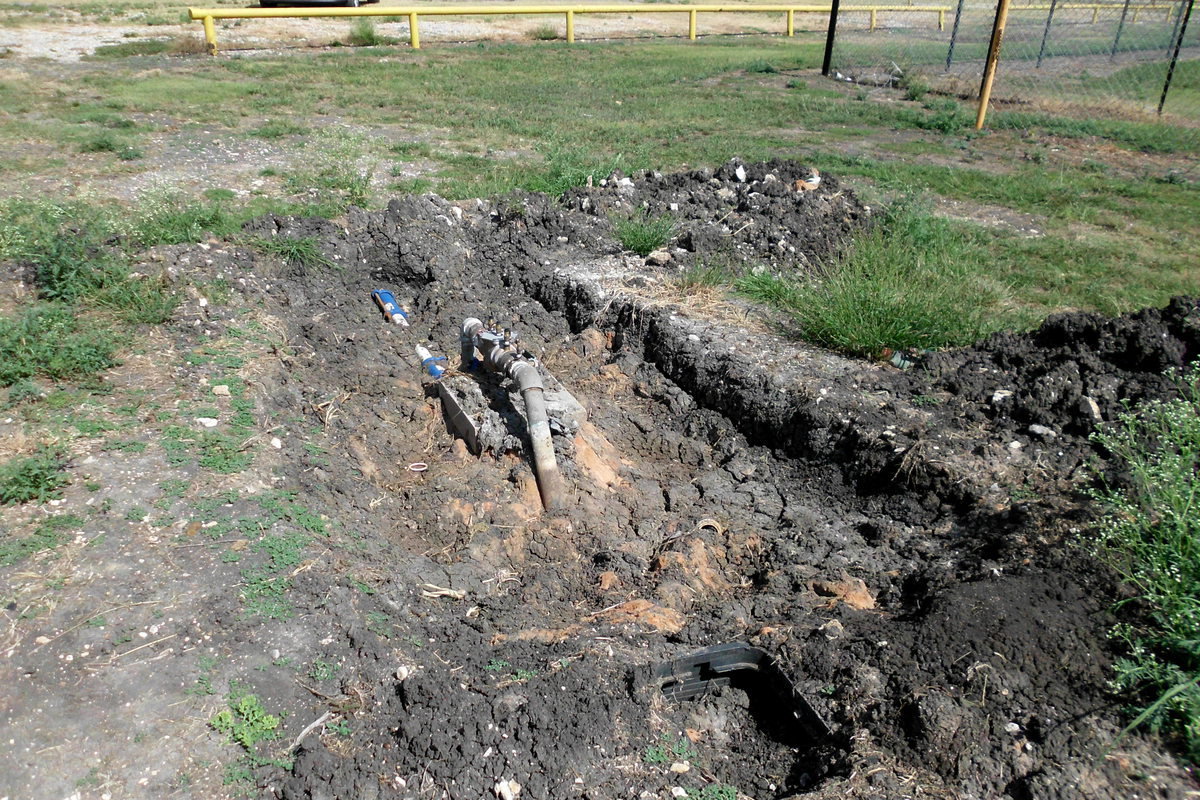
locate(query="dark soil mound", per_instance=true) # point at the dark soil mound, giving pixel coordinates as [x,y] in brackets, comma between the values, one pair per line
[727,486]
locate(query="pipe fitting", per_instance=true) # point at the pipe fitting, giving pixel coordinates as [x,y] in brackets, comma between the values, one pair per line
[496,356]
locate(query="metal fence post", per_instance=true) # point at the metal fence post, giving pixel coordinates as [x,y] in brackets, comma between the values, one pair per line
[954,35]
[1187,15]
[993,57]
[829,36]
[1046,33]
[1120,27]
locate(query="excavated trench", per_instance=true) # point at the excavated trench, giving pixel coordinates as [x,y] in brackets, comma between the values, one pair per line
[728,486]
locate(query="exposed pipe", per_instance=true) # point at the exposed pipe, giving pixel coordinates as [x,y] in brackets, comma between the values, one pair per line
[496,355]
[390,307]
[429,362]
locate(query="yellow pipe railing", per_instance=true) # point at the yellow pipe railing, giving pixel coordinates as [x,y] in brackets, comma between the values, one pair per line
[207,15]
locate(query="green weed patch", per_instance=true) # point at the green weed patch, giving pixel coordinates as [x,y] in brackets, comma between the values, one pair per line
[1151,536]
[909,283]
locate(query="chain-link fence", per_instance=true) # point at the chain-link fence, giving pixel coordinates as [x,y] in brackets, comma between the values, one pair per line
[1093,59]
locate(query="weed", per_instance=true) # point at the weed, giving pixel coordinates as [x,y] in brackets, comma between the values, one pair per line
[761,67]
[147,47]
[925,401]
[544,33]
[644,234]
[222,454]
[303,252]
[714,791]
[704,277]
[136,514]
[497,665]
[380,624]
[323,670]
[339,727]
[46,536]
[363,34]
[38,477]
[245,721]
[102,142]
[524,674]
[915,87]
[48,340]
[1150,535]
[797,84]
[277,129]
[669,749]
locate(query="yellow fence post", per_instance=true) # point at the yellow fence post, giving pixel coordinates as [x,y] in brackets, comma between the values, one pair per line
[990,63]
[414,34]
[941,19]
[210,36]
[873,18]
[791,22]
[570,26]
[692,24]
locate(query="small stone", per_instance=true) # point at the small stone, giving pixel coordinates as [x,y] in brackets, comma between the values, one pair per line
[276,442]
[678,791]
[1090,410]
[402,672]
[507,790]
[680,767]
[207,422]
[833,629]
[221,390]
[658,258]
[42,640]
[1000,395]
[740,172]
[1042,431]
[1015,445]
[725,193]
[1012,728]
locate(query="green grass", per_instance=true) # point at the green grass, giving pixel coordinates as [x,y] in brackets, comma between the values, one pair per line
[303,252]
[544,33]
[1151,535]
[643,234]
[911,282]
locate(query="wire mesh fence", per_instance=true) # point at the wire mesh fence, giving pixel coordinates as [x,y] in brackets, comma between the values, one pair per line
[1106,59]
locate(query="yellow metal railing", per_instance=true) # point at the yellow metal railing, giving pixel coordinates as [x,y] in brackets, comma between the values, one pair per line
[207,15]
[1096,8]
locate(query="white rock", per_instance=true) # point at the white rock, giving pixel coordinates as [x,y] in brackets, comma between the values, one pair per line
[1000,395]
[207,422]
[507,790]
[1043,431]
[740,172]
[680,767]
[276,442]
[678,791]
[658,258]
[1012,728]
[221,390]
